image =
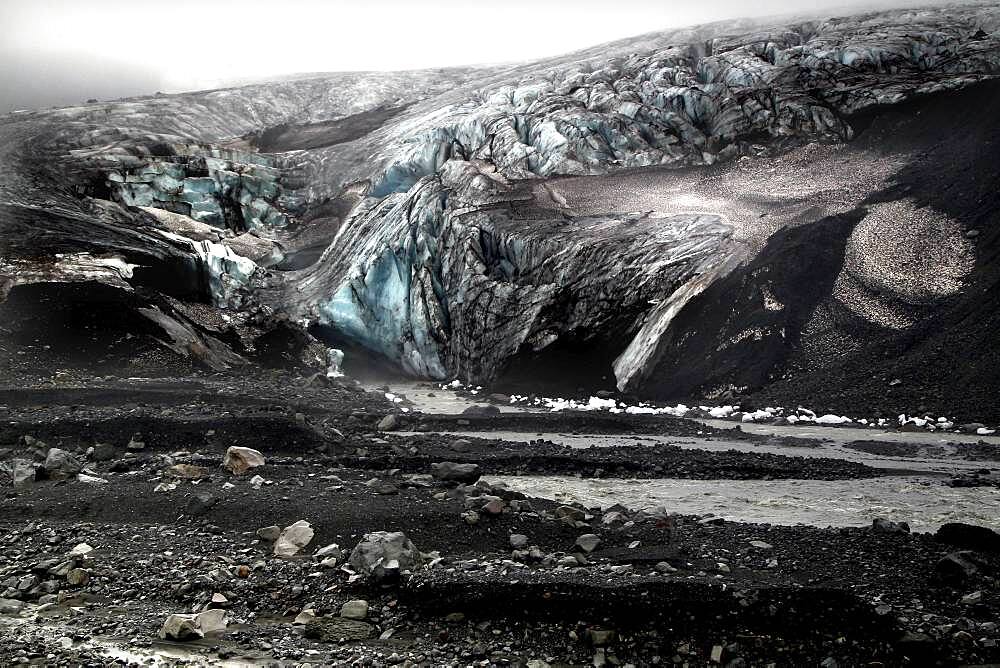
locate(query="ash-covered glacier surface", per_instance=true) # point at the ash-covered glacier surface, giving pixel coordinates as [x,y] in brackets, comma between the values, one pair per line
[733,208]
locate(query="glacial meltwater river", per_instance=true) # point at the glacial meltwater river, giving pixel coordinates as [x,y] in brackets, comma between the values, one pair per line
[915,492]
[924,503]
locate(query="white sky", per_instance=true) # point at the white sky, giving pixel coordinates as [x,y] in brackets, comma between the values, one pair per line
[51,49]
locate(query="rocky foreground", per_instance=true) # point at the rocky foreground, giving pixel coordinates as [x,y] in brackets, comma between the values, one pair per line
[278,520]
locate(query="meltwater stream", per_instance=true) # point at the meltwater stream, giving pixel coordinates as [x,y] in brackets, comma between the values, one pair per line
[924,503]
[919,496]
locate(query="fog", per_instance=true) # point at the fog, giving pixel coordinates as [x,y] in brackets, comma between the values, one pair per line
[59,52]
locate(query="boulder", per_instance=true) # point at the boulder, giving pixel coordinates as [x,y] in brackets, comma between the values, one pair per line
[78,577]
[601,637]
[22,472]
[587,543]
[10,606]
[104,452]
[481,411]
[293,538]
[570,513]
[210,621]
[969,536]
[37,449]
[957,567]
[186,472]
[199,504]
[975,598]
[614,517]
[192,627]
[493,505]
[238,460]
[60,464]
[388,423]
[461,445]
[80,550]
[304,617]
[383,555]
[357,609]
[331,551]
[270,533]
[455,472]
[882,525]
[337,629]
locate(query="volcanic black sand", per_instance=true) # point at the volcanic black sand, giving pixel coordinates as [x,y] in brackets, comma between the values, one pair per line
[948,362]
[501,583]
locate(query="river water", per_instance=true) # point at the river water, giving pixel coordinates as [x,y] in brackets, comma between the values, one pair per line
[924,503]
[915,492]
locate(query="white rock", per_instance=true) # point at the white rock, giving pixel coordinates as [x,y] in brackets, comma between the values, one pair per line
[181,627]
[239,460]
[269,533]
[721,411]
[211,620]
[832,419]
[293,538]
[331,551]
[61,464]
[10,606]
[80,550]
[305,617]
[757,416]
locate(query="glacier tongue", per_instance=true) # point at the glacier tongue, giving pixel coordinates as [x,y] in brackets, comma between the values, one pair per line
[452,265]
[445,279]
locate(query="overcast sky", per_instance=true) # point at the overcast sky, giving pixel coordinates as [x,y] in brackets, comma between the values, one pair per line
[56,52]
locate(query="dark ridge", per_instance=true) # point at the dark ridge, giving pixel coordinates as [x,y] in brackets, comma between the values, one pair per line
[728,335]
[948,361]
[305,136]
[80,326]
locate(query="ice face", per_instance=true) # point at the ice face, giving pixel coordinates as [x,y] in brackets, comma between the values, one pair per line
[383,298]
[226,270]
[428,279]
[235,184]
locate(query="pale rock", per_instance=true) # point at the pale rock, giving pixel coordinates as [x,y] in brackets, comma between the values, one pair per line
[356,609]
[60,464]
[238,460]
[293,538]
[588,542]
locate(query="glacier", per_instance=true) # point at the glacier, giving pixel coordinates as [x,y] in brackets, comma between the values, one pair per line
[694,211]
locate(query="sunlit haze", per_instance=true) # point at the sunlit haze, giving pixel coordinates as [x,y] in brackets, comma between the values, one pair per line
[61,51]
